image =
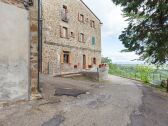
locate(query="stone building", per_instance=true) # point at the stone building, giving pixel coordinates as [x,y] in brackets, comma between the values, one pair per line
[19,49]
[71,37]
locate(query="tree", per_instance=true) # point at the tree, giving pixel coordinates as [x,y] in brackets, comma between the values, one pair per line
[145,72]
[106,60]
[147,31]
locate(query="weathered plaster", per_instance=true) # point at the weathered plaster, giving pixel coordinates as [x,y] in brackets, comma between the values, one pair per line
[14,52]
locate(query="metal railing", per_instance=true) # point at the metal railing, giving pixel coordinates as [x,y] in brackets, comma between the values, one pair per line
[156,78]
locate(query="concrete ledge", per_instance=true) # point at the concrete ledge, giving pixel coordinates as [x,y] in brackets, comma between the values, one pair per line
[98,74]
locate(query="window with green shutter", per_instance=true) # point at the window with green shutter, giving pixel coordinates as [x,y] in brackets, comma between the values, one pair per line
[93,40]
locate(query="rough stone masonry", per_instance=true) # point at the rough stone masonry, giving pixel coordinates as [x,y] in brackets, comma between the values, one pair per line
[71,37]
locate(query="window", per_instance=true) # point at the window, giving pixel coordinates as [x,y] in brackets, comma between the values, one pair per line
[81,37]
[72,35]
[81,18]
[65,32]
[65,9]
[87,19]
[64,14]
[66,56]
[94,60]
[93,40]
[92,24]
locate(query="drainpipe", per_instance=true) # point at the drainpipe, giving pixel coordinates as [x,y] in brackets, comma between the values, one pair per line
[39,39]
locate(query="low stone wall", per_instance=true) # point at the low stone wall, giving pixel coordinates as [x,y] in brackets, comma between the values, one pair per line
[98,74]
[103,73]
[92,75]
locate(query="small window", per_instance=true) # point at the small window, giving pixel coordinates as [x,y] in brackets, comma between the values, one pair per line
[87,19]
[81,37]
[94,60]
[81,17]
[72,35]
[66,57]
[65,9]
[65,32]
[92,24]
[64,14]
[75,66]
[93,40]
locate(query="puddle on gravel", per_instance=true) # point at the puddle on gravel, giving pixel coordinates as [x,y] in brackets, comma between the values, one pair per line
[55,121]
[69,92]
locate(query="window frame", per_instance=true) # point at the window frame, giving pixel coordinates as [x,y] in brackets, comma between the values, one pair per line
[94,61]
[81,37]
[65,8]
[66,57]
[72,34]
[81,18]
[92,24]
[64,13]
[64,33]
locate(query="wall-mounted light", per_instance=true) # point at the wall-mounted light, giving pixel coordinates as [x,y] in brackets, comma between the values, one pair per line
[28,3]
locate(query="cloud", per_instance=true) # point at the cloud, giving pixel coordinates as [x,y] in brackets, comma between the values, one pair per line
[119,57]
[113,24]
[110,15]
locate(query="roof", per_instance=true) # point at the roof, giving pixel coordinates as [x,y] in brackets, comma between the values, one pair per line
[91,11]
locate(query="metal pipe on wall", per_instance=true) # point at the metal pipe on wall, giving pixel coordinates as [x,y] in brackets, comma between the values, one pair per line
[40,21]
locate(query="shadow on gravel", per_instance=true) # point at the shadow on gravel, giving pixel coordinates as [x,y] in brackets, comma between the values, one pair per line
[153,111]
[55,121]
[69,92]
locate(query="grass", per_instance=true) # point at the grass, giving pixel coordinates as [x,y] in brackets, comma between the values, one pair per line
[151,78]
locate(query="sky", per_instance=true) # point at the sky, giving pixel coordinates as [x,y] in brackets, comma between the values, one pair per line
[113,24]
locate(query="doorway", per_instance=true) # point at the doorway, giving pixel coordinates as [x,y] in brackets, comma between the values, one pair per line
[84,61]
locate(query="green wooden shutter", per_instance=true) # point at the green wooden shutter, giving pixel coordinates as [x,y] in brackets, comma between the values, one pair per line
[93,40]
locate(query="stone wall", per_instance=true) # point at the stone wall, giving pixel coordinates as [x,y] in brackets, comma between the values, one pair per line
[99,74]
[54,44]
[34,49]
[103,73]
[16,3]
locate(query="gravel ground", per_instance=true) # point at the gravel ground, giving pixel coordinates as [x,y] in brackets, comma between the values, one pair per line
[118,102]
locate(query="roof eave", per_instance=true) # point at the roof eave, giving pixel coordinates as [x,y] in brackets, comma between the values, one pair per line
[92,12]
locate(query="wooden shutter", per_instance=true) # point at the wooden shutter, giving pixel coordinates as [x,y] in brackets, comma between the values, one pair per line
[70,58]
[93,40]
[85,37]
[73,34]
[92,61]
[68,33]
[61,32]
[78,16]
[79,37]
[62,57]
[87,61]
[95,25]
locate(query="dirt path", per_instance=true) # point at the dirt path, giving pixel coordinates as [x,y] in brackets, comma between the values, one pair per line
[119,102]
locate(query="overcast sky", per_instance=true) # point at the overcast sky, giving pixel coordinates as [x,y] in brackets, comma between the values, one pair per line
[113,24]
